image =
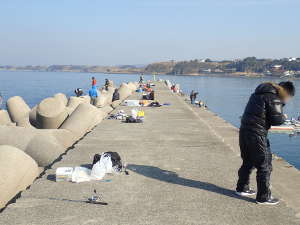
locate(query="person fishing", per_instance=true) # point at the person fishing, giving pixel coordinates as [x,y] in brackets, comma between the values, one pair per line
[264,109]
[141,79]
[78,92]
[94,81]
[93,94]
[106,85]
[193,97]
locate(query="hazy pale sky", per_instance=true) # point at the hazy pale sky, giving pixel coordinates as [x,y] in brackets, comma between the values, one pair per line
[111,32]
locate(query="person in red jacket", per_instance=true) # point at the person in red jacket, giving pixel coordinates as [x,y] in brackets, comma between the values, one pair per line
[94,81]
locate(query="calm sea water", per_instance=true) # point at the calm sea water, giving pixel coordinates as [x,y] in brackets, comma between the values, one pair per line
[226,96]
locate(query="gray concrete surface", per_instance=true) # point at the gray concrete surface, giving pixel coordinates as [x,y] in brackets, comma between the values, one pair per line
[181,172]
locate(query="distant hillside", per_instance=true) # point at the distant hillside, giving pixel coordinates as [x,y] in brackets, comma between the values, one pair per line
[193,67]
[78,68]
[248,66]
[160,67]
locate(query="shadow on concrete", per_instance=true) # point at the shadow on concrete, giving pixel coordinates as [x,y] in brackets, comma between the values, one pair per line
[172,177]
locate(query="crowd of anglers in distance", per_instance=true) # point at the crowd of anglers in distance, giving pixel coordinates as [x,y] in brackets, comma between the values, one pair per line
[93,92]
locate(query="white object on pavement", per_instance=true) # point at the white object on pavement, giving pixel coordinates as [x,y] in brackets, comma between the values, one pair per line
[103,166]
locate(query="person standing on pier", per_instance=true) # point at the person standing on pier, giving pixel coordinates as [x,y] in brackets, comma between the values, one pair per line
[106,85]
[93,95]
[141,79]
[94,82]
[193,97]
[264,109]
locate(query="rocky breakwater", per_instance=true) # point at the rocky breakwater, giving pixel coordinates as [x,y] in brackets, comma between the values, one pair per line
[32,139]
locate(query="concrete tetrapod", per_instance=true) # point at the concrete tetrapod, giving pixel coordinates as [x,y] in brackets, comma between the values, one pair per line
[18,137]
[18,111]
[73,103]
[17,171]
[84,118]
[76,101]
[116,103]
[132,86]
[44,145]
[5,119]
[61,97]
[105,97]
[32,116]
[124,91]
[44,149]
[107,109]
[51,113]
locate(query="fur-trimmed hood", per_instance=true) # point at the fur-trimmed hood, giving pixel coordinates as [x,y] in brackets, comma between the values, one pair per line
[270,87]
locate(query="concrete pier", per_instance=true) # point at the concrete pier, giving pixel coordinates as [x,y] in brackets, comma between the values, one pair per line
[182,165]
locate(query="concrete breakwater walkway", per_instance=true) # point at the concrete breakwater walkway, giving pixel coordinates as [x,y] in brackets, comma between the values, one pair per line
[182,171]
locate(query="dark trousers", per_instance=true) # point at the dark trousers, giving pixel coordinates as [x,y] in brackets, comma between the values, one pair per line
[256,153]
[93,100]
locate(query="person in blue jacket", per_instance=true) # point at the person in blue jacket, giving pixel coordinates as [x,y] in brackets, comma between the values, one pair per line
[93,94]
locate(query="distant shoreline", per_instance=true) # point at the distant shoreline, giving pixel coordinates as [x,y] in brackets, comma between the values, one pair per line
[236,74]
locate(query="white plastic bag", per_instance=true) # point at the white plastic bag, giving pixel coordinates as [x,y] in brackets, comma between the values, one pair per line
[81,174]
[134,113]
[103,166]
[131,102]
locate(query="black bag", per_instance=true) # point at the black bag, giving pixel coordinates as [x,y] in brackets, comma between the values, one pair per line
[130,119]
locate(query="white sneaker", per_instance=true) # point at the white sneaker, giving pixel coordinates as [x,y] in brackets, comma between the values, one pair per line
[271,201]
[245,193]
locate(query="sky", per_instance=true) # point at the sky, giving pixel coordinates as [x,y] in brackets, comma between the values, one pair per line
[119,32]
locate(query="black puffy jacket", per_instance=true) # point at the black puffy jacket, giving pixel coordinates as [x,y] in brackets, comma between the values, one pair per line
[264,109]
[116,96]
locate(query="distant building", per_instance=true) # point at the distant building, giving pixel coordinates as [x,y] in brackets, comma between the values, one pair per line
[292,59]
[277,70]
[277,67]
[206,70]
[218,71]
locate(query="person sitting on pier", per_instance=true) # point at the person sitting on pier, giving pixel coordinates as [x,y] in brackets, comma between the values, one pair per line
[264,109]
[201,104]
[78,92]
[93,93]
[116,95]
[151,95]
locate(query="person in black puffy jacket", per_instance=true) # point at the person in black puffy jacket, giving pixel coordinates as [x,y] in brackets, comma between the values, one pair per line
[116,95]
[263,110]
